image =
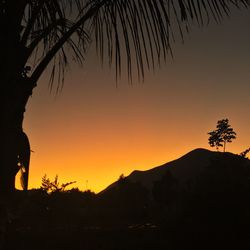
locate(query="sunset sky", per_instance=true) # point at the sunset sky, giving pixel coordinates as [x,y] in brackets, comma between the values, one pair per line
[93,131]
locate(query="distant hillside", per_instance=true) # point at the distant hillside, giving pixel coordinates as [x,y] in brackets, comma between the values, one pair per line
[184,169]
[147,206]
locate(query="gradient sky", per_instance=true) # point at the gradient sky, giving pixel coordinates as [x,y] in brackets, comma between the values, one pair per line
[93,131]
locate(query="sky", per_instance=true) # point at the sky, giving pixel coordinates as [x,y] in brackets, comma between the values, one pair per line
[97,129]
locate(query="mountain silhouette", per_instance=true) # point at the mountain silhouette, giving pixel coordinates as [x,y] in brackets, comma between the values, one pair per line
[185,169]
[200,199]
[202,189]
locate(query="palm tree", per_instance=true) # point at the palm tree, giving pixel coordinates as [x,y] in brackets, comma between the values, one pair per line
[36,34]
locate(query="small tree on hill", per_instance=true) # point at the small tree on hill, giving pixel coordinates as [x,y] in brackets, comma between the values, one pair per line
[223,134]
[245,152]
[54,186]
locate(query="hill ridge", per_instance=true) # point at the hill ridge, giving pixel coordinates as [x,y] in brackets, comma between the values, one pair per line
[184,168]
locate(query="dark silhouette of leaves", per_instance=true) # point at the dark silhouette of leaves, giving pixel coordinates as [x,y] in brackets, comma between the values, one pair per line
[245,152]
[54,186]
[223,134]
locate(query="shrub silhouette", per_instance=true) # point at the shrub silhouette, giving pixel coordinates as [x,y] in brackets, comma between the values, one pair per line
[54,186]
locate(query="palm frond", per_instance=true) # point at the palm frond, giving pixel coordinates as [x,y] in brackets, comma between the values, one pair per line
[45,22]
[136,33]
[146,29]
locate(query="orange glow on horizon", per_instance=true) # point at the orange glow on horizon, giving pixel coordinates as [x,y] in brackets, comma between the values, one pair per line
[93,132]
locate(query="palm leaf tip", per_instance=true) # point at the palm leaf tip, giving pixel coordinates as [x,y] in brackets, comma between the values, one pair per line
[135,34]
[146,30]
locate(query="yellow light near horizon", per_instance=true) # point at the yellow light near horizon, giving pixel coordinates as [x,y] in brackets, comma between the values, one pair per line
[94,131]
[100,172]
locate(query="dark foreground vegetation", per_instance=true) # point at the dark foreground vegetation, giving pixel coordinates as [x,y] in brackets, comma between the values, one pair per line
[210,212]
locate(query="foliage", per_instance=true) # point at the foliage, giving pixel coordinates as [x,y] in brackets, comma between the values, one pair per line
[50,32]
[245,152]
[223,134]
[54,186]
[121,178]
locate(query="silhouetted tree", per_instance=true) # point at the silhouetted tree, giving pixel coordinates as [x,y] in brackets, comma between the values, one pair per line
[223,134]
[38,33]
[121,178]
[245,152]
[54,186]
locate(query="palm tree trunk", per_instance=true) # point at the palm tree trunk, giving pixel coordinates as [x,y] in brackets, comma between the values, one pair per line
[15,90]
[13,99]
[9,131]
[224,148]
[8,163]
